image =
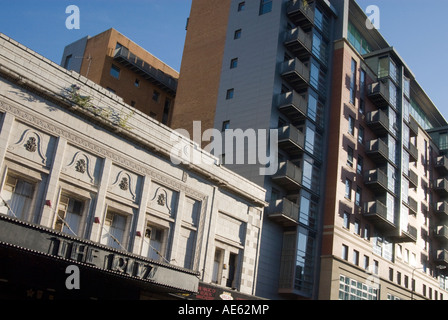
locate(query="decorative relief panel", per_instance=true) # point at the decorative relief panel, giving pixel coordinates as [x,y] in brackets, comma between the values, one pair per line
[124,183]
[163,199]
[32,144]
[82,165]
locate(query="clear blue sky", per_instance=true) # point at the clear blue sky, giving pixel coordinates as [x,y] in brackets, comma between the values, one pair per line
[417,29]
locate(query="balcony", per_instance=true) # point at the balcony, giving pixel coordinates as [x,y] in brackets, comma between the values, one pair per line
[441,187]
[442,257]
[408,235]
[288,176]
[441,234]
[413,127]
[296,73]
[378,151]
[376,180]
[412,178]
[376,212]
[378,93]
[156,76]
[378,122]
[441,210]
[294,106]
[284,212]
[441,165]
[413,152]
[412,204]
[291,140]
[300,13]
[298,42]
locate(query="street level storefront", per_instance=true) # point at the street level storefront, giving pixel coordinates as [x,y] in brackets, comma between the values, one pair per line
[35,260]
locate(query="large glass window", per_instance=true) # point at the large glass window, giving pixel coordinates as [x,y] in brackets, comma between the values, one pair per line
[265,6]
[304,260]
[356,40]
[353,82]
[18,195]
[113,230]
[69,215]
[308,210]
[153,242]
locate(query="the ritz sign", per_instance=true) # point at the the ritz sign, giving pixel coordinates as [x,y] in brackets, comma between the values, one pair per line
[86,254]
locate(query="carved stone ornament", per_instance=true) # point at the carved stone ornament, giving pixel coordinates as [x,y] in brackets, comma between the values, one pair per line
[31,145]
[124,184]
[81,166]
[161,200]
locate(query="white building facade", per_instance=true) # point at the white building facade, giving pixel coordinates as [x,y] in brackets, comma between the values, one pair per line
[77,161]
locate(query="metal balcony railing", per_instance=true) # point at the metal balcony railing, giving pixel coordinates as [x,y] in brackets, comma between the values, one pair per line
[291,140]
[284,212]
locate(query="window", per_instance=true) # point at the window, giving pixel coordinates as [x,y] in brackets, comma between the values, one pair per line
[358,196]
[237,34]
[230,94]
[113,230]
[265,6]
[68,59]
[366,262]
[357,227]
[353,82]
[346,220]
[137,83]
[18,195]
[225,125]
[361,135]
[366,234]
[360,165]
[351,125]
[69,215]
[115,71]
[153,242]
[355,257]
[348,189]
[156,96]
[391,274]
[110,90]
[350,289]
[234,63]
[166,111]
[241,6]
[233,261]
[217,266]
[350,156]
[344,252]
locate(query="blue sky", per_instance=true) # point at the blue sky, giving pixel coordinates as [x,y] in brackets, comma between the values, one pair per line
[417,29]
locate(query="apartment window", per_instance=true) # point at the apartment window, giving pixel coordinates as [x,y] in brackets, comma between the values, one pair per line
[391,274]
[351,125]
[230,93]
[137,83]
[376,266]
[350,289]
[355,257]
[68,59]
[225,125]
[361,135]
[406,281]
[132,103]
[357,227]
[358,196]
[217,266]
[115,71]
[366,234]
[233,261]
[241,6]
[234,63]
[348,189]
[265,6]
[113,230]
[237,34]
[69,215]
[360,165]
[153,242]
[398,277]
[166,111]
[353,82]
[345,252]
[366,262]
[18,195]
[156,96]
[350,156]
[346,220]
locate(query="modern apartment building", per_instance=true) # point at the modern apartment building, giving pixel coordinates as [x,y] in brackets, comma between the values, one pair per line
[115,62]
[85,187]
[357,205]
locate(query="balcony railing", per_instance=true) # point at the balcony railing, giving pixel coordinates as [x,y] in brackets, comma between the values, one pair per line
[441,187]
[288,176]
[158,77]
[413,152]
[413,179]
[294,106]
[376,180]
[296,73]
[298,42]
[413,127]
[412,204]
[378,122]
[441,209]
[378,93]
[301,13]
[407,235]
[378,151]
[291,140]
[442,257]
[441,233]
[376,212]
[284,212]
[441,165]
